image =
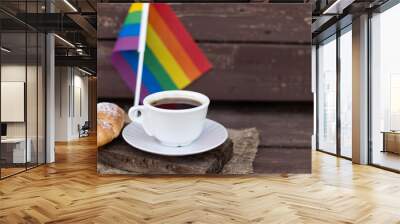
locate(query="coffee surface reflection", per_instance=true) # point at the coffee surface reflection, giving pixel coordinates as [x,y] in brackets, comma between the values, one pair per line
[176,103]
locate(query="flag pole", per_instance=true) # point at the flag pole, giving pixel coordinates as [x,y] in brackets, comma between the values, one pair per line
[141,49]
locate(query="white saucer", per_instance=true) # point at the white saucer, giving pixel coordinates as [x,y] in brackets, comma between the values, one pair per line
[213,135]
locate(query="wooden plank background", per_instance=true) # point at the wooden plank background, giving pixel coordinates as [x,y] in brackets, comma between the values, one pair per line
[259,52]
[284,23]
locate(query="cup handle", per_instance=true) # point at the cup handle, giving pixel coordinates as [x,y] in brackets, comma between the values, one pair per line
[134,116]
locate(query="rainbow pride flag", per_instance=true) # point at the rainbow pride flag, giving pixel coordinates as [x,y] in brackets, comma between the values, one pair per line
[172,60]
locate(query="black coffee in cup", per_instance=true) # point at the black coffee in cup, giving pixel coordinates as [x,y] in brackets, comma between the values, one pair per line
[176,103]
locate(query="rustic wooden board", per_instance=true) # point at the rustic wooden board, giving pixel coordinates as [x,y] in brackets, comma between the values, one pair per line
[248,72]
[119,155]
[223,22]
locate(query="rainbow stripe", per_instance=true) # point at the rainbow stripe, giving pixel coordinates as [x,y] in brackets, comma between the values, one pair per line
[172,59]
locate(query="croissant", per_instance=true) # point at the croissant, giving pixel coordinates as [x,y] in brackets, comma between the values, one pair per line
[110,121]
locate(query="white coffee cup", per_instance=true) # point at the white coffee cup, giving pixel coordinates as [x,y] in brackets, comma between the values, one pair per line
[172,127]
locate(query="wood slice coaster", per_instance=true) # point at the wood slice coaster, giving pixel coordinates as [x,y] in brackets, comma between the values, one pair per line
[235,156]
